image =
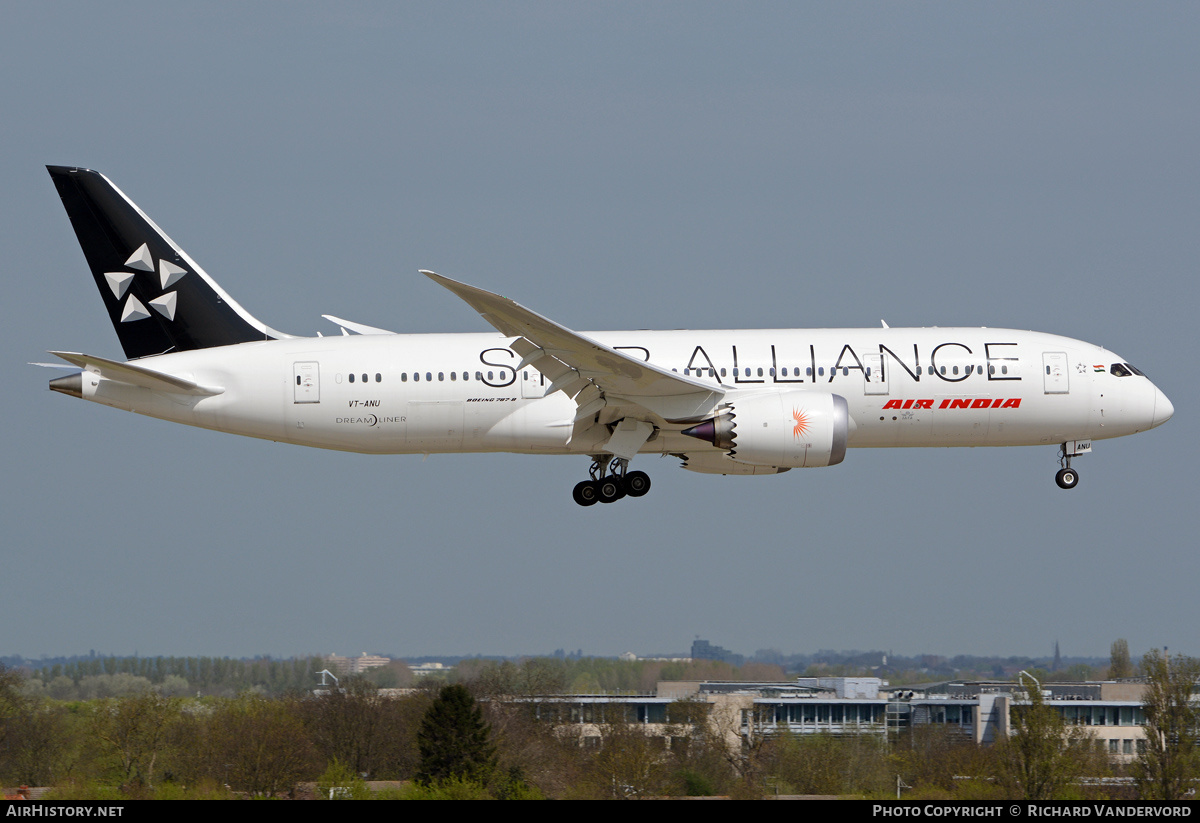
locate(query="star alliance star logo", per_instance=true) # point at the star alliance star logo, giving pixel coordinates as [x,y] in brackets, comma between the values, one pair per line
[168,275]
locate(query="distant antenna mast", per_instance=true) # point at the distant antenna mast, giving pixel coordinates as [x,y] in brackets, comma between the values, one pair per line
[326,673]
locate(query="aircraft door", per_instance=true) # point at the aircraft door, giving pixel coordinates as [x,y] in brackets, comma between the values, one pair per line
[533,383]
[306,380]
[1054,372]
[876,377]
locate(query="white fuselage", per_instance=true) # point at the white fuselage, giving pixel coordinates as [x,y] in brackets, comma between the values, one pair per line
[392,394]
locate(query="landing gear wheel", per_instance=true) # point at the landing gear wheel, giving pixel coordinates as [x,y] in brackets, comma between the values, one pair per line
[585,493]
[637,484]
[609,490]
[1067,478]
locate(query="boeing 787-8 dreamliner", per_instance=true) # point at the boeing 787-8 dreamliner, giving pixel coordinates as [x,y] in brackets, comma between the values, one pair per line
[737,401]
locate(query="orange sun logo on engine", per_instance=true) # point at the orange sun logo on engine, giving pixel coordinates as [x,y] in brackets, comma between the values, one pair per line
[802,424]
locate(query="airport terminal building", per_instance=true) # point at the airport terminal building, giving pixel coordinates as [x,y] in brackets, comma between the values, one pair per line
[981,711]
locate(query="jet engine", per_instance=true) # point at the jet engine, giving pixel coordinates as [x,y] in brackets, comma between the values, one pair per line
[786,429]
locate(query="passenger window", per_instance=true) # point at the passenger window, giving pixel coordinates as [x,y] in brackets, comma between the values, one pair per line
[955,369]
[502,375]
[441,376]
[378,377]
[452,376]
[351,378]
[403,377]
[490,376]
[760,372]
[479,375]
[428,376]
[364,378]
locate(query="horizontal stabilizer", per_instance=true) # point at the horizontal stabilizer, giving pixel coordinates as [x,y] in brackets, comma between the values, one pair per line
[136,375]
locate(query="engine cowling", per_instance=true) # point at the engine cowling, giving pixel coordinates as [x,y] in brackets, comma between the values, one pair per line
[795,429]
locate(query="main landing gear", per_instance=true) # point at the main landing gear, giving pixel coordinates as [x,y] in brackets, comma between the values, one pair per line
[1066,477]
[610,482]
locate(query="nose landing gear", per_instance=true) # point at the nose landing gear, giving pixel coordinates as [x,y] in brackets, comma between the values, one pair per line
[610,482]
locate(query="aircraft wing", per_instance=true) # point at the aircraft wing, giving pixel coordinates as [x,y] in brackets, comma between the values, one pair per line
[357,328]
[592,373]
[136,375]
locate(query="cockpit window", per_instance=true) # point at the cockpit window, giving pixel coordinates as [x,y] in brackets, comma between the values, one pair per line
[1134,369]
[1119,370]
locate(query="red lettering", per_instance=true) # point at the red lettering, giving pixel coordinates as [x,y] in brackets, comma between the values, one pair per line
[1012,403]
[924,404]
[944,404]
[982,403]
[892,404]
[908,404]
[960,403]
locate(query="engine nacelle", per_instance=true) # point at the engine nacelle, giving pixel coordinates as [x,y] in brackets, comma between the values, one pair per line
[786,429]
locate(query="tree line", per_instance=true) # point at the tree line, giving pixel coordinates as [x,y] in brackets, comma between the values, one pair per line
[94,677]
[472,739]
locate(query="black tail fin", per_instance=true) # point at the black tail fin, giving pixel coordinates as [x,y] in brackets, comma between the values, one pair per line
[159,300]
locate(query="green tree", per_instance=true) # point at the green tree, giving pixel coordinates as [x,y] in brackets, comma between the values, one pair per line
[259,745]
[454,741]
[137,730]
[348,724]
[11,702]
[1119,664]
[1168,760]
[340,782]
[829,765]
[630,763]
[1042,758]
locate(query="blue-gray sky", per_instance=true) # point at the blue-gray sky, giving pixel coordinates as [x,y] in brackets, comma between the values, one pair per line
[615,165]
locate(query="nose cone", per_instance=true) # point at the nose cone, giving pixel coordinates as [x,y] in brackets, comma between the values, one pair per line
[1162,408]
